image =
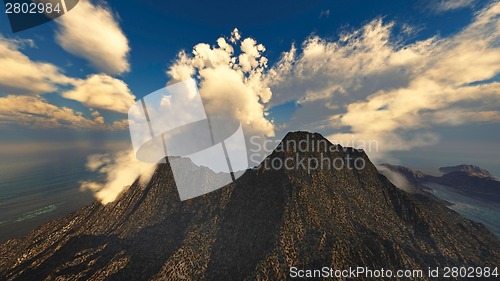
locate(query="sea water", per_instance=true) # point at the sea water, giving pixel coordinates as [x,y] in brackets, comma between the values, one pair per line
[36,187]
[485,212]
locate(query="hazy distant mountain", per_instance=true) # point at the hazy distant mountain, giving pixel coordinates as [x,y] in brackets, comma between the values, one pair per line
[255,228]
[410,174]
[469,169]
[470,180]
[412,179]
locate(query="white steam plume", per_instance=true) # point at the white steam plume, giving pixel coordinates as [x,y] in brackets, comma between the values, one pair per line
[121,170]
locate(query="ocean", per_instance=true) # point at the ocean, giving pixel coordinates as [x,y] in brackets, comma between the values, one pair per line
[39,186]
[487,213]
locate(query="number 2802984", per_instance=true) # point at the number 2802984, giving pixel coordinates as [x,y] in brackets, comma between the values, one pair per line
[32,8]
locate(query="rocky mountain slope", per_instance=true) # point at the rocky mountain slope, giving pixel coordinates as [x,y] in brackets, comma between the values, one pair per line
[255,228]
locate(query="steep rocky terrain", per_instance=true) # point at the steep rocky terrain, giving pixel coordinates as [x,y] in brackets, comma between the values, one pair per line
[255,228]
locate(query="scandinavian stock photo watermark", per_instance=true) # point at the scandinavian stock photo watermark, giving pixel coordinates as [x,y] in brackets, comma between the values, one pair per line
[364,272]
[174,125]
[309,154]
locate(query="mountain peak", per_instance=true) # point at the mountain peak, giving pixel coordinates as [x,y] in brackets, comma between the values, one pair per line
[469,169]
[254,228]
[406,171]
[302,135]
[307,137]
[314,142]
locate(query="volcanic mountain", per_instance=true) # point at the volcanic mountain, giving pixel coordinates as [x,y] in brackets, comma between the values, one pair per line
[255,228]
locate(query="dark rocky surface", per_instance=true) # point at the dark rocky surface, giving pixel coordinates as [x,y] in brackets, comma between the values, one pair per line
[255,228]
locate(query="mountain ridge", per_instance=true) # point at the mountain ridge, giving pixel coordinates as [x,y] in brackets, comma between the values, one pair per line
[469,169]
[469,180]
[255,228]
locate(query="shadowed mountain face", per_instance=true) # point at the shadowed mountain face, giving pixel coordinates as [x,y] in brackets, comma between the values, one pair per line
[256,228]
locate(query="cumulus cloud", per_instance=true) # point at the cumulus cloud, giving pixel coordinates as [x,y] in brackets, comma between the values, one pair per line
[442,84]
[235,36]
[350,68]
[372,87]
[92,32]
[231,81]
[102,91]
[34,112]
[460,116]
[21,75]
[121,170]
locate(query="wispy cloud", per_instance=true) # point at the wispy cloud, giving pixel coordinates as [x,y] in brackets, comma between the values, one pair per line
[439,89]
[19,74]
[34,112]
[365,85]
[398,179]
[324,14]
[93,33]
[373,88]
[448,5]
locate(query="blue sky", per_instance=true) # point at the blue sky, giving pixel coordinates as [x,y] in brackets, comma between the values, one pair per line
[140,41]
[157,30]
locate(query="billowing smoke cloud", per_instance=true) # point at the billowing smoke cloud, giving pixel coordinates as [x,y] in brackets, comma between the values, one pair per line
[369,85]
[231,82]
[121,170]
